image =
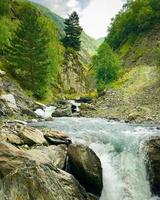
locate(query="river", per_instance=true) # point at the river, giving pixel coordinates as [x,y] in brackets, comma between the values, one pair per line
[120,148]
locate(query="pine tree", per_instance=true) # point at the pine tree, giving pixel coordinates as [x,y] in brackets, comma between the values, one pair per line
[72,32]
[28,56]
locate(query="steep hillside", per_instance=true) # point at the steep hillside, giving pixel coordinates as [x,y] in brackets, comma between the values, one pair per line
[144,49]
[134,97]
[134,37]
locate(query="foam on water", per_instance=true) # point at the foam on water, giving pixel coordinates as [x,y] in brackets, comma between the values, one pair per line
[119,146]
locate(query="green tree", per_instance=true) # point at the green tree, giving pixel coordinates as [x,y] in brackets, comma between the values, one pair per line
[107,66]
[4,7]
[72,32]
[30,56]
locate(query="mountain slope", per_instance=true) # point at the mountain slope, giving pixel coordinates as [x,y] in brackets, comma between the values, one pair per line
[89,44]
[135,36]
[134,97]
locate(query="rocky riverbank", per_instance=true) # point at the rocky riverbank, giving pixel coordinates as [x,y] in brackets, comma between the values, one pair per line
[44,164]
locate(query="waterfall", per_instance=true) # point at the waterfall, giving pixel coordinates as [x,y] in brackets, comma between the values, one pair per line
[120,148]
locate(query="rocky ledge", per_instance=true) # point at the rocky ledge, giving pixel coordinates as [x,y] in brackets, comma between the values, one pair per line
[43,164]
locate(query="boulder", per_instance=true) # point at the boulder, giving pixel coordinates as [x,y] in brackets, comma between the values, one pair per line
[40,182]
[9,101]
[31,136]
[55,137]
[84,100]
[55,155]
[64,111]
[10,158]
[2,73]
[152,149]
[92,197]
[86,167]
[11,138]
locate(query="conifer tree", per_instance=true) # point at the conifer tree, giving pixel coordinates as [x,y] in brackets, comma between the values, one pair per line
[28,56]
[72,32]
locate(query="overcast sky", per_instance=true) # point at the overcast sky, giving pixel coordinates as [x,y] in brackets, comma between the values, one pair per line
[95,15]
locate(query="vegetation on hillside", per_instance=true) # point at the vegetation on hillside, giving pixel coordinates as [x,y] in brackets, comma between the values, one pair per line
[106,65]
[136,17]
[32,49]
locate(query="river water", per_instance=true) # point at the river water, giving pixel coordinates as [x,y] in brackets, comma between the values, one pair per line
[120,148]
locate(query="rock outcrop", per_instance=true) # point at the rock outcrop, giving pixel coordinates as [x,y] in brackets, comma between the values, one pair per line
[72,78]
[86,167]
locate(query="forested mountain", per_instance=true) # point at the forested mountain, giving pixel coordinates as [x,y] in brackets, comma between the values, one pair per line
[24,26]
[134,38]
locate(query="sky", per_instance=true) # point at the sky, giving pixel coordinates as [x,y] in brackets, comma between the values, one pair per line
[95,15]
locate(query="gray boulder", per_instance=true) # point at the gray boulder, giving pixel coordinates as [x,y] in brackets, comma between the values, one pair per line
[64,111]
[86,167]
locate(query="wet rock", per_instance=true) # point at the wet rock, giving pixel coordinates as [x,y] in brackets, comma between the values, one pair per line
[33,181]
[86,167]
[92,197]
[152,148]
[64,111]
[84,100]
[55,155]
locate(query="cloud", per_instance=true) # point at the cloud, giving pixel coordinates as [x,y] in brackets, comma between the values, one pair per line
[64,7]
[95,15]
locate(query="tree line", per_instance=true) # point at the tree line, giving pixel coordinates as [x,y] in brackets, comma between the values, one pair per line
[137,16]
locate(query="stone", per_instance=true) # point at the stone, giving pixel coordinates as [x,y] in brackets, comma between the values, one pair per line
[55,155]
[86,168]
[133,116]
[11,138]
[54,134]
[31,136]
[40,182]
[2,73]
[152,149]
[9,100]
[55,137]
[92,197]
[10,158]
[84,100]
[64,111]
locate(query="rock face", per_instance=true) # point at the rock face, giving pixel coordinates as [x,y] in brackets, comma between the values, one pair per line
[72,79]
[40,182]
[86,167]
[152,148]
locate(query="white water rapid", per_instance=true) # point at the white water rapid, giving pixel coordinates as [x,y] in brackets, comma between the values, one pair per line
[119,146]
